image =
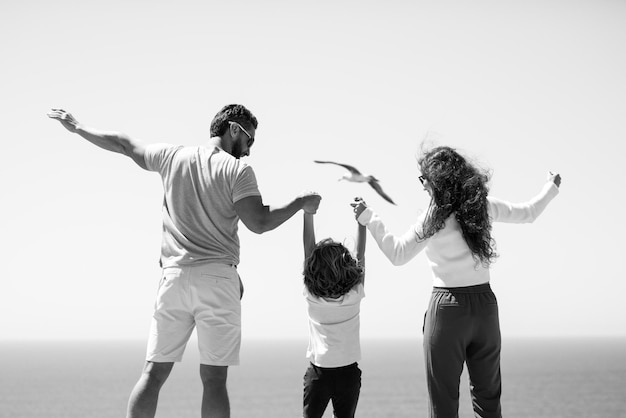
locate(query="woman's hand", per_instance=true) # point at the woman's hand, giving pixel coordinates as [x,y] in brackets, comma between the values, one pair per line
[554,178]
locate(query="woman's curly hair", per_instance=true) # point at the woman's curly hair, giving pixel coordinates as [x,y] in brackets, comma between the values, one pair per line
[331,271]
[458,188]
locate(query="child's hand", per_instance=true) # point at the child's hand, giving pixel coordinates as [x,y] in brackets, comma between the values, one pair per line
[359,206]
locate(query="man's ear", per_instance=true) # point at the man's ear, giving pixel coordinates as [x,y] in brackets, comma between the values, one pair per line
[233,129]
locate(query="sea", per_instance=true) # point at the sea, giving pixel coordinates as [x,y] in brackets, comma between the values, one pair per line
[552,378]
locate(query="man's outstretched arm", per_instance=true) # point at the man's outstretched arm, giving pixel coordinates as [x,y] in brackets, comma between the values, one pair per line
[260,218]
[108,140]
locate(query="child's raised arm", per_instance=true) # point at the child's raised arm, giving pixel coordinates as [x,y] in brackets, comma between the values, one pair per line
[308,235]
[360,244]
[360,248]
[361,236]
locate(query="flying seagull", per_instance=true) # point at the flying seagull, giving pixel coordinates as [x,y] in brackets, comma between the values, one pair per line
[355,176]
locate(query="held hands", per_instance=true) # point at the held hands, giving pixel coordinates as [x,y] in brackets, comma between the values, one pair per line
[554,178]
[358,206]
[66,119]
[310,202]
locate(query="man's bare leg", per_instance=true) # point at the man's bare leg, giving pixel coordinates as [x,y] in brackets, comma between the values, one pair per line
[215,402]
[144,397]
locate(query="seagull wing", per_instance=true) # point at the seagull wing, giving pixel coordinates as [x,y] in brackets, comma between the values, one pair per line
[379,190]
[346,166]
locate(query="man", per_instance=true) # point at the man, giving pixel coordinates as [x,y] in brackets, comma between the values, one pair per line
[207,191]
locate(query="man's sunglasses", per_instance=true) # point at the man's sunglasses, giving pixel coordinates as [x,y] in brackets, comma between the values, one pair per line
[250,137]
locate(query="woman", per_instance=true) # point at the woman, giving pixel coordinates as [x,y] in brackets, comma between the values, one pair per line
[461,324]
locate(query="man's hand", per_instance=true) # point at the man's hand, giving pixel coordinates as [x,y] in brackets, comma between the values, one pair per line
[66,119]
[359,206]
[310,202]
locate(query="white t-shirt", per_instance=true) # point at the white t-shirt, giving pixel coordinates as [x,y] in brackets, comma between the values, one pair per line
[448,254]
[201,186]
[334,328]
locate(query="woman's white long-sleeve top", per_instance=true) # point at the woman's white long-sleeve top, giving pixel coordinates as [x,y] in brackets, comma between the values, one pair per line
[448,254]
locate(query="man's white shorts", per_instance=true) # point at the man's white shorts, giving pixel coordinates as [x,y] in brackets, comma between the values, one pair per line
[206,296]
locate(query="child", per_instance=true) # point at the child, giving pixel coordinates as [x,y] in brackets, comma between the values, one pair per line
[333,289]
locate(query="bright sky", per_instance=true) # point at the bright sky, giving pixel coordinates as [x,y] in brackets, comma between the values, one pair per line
[522,87]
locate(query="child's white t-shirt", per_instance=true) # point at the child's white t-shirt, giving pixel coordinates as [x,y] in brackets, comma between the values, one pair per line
[334,328]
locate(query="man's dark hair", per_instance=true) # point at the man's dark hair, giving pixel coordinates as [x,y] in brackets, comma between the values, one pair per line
[232,113]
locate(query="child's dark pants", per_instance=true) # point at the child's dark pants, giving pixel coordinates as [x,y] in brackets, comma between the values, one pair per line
[341,385]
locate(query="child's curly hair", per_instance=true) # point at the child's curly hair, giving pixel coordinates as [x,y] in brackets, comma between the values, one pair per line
[331,271]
